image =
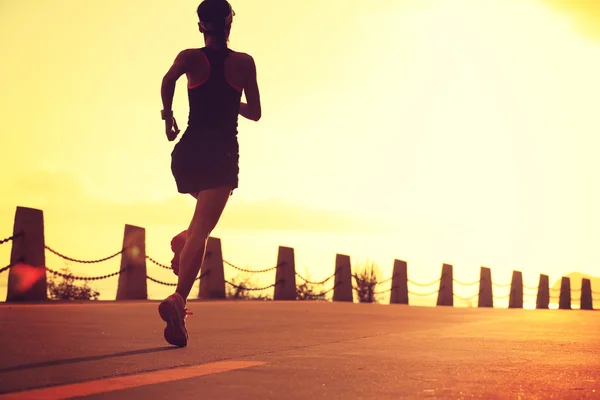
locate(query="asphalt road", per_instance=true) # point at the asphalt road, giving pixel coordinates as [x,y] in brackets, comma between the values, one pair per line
[298,350]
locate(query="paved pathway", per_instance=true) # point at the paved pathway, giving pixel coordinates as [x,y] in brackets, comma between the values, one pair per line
[298,350]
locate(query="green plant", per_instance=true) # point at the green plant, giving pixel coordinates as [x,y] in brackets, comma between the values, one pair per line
[366,279]
[243,289]
[66,289]
[306,291]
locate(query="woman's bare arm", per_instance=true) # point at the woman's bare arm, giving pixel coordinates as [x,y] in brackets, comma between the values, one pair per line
[251,110]
[167,88]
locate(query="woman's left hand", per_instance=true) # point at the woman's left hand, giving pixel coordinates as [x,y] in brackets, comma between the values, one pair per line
[171,129]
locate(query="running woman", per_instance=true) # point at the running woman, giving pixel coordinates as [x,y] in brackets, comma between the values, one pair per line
[205,160]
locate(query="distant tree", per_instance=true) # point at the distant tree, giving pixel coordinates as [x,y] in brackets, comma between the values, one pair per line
[367,278]
[64,288]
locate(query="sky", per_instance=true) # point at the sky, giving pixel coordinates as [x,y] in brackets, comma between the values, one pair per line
[458,131]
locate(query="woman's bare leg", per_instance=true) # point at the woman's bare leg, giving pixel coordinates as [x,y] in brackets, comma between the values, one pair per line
[209,207]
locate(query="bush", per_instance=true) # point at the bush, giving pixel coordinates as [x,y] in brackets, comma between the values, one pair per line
[306,291]
[242,289]
[66,289]
[367,278]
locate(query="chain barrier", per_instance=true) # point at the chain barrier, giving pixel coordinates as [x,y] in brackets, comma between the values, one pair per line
[85,278]
[253,271]
[84,261]
[465,283]
[253,289]
[10,238]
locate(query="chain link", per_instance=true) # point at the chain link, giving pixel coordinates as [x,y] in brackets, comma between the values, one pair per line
[465,283]
[422,284]
[386,280]
[374,283]
[8,239]
[80,278]
[253,271]
[501,285]
[160,282]
[253,289]
[84,261]
[159,264]
[328,290]
[9,266]
[466,298]
[317,283]
[174,284]
[207,255]
[385,291]
[423,294]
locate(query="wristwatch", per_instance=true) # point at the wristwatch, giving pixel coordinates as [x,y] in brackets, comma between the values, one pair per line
[164,114]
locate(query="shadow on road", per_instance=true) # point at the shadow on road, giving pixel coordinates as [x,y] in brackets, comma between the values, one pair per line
[84,359]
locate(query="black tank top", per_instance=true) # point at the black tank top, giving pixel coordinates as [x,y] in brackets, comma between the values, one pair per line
[215,103]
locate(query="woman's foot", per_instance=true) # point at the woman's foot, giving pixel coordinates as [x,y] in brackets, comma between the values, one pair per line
[174,312]
[177,246]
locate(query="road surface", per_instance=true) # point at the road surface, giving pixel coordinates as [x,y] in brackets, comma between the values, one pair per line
[298,350]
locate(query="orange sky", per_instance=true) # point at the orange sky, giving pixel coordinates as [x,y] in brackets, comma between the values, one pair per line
[464,131]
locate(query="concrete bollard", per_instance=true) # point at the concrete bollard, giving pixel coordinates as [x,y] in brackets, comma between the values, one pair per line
[132,281]
[446,292]
[586,302]
[285,277]
[399,294]
[543,295]
[516,290]
[212,283]
[27,277]
[343,279]
[486,294]
[564,301]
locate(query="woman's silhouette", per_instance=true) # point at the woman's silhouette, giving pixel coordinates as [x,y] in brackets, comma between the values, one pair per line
[205,160]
